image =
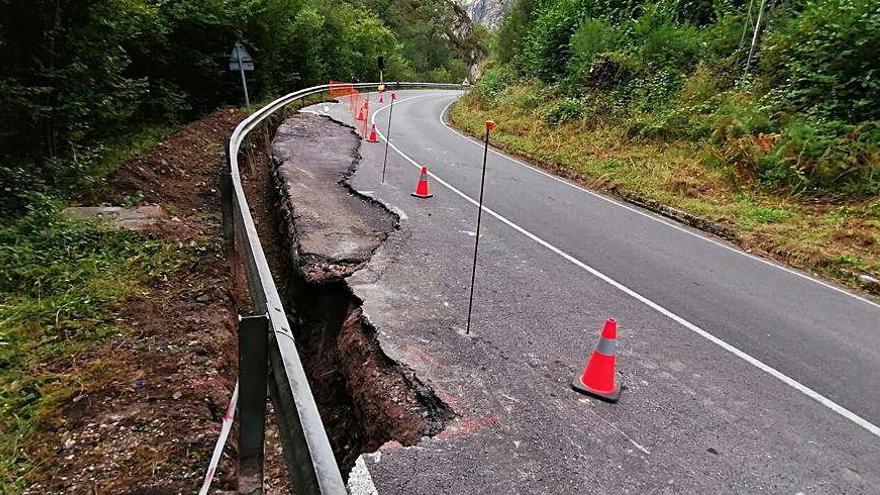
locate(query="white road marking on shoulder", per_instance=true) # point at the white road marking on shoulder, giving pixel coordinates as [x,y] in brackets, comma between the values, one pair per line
[359,480]
[791,382]
[656,218]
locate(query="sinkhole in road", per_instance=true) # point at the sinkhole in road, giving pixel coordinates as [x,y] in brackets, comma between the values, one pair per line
[365,398]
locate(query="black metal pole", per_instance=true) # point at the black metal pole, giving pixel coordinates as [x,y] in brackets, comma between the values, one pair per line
[489,126]
[388,134]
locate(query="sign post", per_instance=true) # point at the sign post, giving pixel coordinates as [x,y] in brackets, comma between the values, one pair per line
[241,61]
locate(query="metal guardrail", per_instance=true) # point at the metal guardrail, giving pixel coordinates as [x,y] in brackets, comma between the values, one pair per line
[311,465]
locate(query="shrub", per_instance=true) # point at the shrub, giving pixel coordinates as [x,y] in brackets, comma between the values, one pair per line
[660,42]
[547,49]
[722,41]
[591,39]
[825,157]
[610,69]
[700,91]
[527,96]
[564,110]
[825,60]
[738,115]
[669,125]
[494,81]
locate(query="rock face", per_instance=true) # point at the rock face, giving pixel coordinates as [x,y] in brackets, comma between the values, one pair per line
[489,13]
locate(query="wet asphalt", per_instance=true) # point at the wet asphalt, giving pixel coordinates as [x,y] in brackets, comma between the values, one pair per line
[694,417]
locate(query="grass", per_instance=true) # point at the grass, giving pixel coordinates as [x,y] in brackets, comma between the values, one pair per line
[822,238]
[127,145]
[61,282]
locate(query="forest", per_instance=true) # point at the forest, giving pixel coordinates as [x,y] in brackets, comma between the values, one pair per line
[82,77]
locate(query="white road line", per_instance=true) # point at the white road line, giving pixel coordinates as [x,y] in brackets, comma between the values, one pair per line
[846,413]
[359,480]
[654,217]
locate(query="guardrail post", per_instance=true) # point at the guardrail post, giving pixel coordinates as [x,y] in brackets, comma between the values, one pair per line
[253,366]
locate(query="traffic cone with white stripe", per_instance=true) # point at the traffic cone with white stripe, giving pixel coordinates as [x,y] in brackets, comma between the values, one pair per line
[598,376]
[361,114]
[422,186]
[372,138]
[381,99]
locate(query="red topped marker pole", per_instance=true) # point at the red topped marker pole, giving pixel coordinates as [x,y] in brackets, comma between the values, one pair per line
[388,134]
[490,126]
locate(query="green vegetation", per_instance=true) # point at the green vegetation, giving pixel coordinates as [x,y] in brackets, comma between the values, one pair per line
[78,74]
[676,69]
[60,283]
[661,98]
[85,86]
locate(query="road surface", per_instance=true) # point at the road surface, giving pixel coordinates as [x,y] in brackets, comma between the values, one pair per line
[741,376]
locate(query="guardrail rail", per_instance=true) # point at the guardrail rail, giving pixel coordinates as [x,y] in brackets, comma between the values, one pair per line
[267,347]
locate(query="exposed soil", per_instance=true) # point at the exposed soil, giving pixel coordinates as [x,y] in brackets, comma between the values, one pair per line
[366,399]
[149,422]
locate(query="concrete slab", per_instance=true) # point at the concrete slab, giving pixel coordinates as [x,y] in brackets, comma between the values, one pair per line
[134,218]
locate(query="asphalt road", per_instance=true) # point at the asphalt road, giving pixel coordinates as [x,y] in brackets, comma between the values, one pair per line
[741,376]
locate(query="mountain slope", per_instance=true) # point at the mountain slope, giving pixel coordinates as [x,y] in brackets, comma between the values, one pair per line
[489,13]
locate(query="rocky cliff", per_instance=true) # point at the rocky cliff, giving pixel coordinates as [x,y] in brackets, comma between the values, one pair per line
[489,13]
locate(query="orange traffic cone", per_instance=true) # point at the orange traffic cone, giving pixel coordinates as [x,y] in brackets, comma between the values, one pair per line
[422,186]
[598,376]
[372,137]
[361,114]
[381,100]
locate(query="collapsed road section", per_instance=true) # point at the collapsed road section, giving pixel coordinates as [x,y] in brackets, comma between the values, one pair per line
[366,399]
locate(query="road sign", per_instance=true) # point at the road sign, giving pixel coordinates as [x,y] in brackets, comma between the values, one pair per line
[240,59]
[246,66]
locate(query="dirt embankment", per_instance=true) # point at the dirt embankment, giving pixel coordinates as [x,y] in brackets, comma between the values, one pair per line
[149,422]
[329,231]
